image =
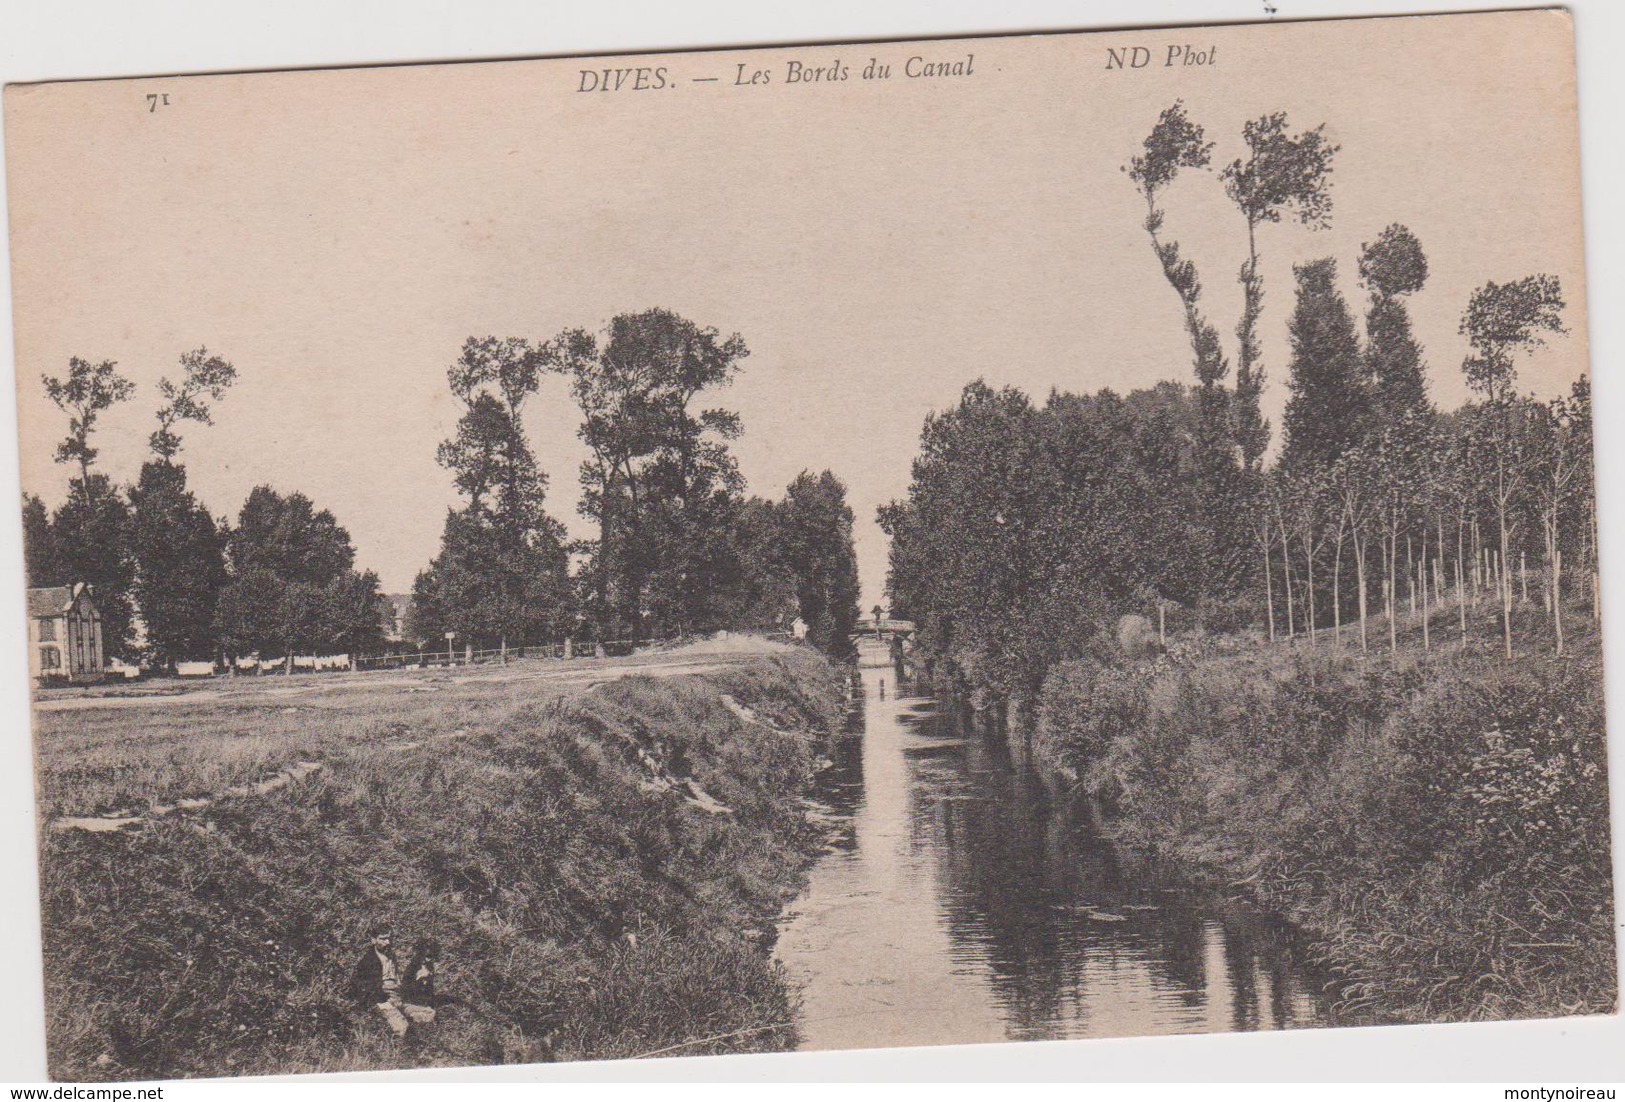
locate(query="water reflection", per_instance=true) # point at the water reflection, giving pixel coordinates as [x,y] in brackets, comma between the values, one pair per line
[961,902]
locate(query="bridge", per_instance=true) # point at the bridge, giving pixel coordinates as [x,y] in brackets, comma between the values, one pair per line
[871,627]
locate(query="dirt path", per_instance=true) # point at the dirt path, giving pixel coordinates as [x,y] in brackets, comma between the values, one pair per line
[585,673]
[582,677]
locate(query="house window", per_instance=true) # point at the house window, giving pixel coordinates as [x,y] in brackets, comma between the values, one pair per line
[47,631]
[50,658]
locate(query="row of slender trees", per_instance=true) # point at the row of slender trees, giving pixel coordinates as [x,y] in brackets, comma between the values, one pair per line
[1026,529]
[172,582]
[679,547]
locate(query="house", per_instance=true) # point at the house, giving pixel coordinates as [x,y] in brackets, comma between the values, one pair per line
[64,634]
[397,607]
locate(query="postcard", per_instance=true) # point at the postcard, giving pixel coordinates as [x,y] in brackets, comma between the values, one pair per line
[884,544]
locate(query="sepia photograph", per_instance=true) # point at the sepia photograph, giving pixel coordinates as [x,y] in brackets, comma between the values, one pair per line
[870,545]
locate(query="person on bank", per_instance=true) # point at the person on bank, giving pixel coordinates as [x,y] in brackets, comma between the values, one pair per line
[417,985]
[377,982]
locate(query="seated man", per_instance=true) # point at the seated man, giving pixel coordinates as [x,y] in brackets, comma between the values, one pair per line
[417,984]
[376,982]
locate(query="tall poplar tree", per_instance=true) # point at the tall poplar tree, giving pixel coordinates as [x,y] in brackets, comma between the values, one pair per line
[91,529]
[1393,267]
[815,528]
[501,577]
[179,550]
[659,481]
[1283,174]
[1502,320]
[1177,144]
[1327,410]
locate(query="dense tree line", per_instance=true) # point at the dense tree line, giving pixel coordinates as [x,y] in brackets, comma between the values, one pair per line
[1027,527]
[293,587]
[679,549]
[172,583]
[1028,530]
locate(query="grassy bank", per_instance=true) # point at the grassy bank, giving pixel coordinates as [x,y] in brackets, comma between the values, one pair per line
[601,868]
[1435,821]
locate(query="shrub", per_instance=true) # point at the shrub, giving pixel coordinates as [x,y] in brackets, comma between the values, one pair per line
[1438,822]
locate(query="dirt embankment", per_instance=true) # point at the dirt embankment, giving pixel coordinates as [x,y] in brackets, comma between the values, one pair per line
[601,868]
[1436,821]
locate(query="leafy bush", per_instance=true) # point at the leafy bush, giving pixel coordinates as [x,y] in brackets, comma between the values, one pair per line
[1085,705]
[1438,822]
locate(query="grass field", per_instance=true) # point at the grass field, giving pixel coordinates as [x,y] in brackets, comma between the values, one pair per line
[123,748]
[600,847]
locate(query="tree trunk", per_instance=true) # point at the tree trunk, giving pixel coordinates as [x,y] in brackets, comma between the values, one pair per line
[1309,568]
[1557,597]
[1422,576]
[1506,584]
[1461,591]
[1438,564]
[1269,589]
[1359,575]
[1478,565]
[1392,551]
[1337,595]
[1286,578]
[1546,590]
[1410,574]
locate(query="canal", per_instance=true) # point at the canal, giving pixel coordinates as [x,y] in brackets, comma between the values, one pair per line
[960,900]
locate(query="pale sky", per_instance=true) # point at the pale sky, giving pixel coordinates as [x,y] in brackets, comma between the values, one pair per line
[878,244]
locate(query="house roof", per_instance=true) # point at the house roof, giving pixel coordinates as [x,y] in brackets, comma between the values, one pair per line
[50,601]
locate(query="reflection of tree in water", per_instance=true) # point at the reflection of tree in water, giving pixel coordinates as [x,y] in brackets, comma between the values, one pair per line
[840,787]
[1018,878]
[1266,991]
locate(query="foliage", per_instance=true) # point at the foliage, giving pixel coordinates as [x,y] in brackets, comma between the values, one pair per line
[90,531]
[814,534]
[1392,267]
[293,583]
[502,572]
[84,394]
[489,589]
[1327,408]
[660,481]
[179,551]
[1503,319]
[42,559]
[180,562]
[286,535]
[1283,173]
[1437,824]
[92,534]
[1087,705]
[202,376]
[1025,529]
